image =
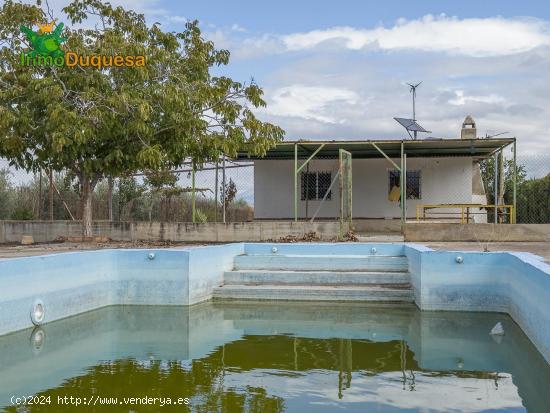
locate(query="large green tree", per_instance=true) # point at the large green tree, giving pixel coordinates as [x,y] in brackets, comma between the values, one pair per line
[114,121]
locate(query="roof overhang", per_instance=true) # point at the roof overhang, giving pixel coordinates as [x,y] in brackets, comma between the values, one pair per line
[476,148]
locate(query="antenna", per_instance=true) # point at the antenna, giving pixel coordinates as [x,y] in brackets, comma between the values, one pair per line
[413,91]
[487,136]
[411,125]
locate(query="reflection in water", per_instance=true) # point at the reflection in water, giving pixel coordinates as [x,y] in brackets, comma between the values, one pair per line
[264,358]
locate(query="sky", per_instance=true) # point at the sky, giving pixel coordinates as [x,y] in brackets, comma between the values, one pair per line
[338,69]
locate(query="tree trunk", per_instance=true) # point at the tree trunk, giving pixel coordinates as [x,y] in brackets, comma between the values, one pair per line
[86,205]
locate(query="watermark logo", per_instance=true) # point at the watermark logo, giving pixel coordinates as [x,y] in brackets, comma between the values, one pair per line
[45,50]
[45,45]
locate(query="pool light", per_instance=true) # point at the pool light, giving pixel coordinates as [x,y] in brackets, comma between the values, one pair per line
[37,312]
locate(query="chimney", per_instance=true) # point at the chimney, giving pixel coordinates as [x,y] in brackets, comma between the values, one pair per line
[469,130]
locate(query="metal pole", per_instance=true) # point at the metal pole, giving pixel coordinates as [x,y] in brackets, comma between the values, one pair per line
[216,195]
[295,182]
[50,194]
[193,192]
[414,109]
[110,197]
[514,177]
[401,185]
[501,184]
[40,195]
[414,103]
[307,191]
[404,187]
[223,188]
[495,189]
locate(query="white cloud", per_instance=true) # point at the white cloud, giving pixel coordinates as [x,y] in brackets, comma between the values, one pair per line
[178,19]
[310,102]
[462,99]
[475,37]
[236,28]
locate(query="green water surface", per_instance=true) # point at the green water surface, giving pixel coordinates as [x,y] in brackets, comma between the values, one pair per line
[272,358]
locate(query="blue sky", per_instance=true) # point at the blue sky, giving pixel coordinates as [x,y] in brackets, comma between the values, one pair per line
[286,16]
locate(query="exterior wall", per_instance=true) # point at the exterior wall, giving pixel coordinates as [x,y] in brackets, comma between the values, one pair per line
[46,231]
[478,194]
[443,180]
[420,232]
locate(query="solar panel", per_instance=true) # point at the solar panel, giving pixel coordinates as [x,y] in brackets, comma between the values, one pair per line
[411,125]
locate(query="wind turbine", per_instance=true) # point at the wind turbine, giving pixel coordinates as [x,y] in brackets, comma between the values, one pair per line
[413,91]
[411,125]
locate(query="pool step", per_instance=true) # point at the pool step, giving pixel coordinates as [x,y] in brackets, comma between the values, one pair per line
[343,263]
[388,293]
[276,277]
[358,278]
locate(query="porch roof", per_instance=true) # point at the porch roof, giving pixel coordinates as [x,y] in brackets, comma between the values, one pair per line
[365,149]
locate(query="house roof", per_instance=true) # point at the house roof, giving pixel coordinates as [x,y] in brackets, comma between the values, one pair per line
[365,149]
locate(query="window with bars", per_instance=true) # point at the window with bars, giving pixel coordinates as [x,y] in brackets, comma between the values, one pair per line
[413,183]
[315,185]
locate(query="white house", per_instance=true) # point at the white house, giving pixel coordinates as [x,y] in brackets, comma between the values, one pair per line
[438,171]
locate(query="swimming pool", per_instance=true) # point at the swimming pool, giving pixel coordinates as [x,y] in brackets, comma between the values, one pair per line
[148,313]
[262,357]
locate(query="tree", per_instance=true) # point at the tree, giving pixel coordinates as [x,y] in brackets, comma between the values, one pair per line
[487,168]
[163,184]
[128,192]
[6,190]
[229,191]
[114,121]
[533,200]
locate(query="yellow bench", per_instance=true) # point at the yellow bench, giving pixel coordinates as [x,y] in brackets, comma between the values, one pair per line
[465,210]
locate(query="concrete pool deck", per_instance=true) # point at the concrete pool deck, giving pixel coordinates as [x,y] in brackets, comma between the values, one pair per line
[541,249]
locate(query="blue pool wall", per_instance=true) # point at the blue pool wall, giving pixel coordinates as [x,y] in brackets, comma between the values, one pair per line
[513,283]
[73,283]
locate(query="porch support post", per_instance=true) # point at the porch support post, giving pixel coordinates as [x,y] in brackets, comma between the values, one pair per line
[387,157]
[514,177]
[402,186]
[295,182]
[495,188]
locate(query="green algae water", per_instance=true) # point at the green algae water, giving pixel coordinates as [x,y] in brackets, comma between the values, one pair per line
[283,357]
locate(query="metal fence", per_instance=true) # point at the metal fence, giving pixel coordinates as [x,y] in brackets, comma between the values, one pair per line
[26,196]
[219,195]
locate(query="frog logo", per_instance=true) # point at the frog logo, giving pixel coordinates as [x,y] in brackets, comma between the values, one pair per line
[46,42]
